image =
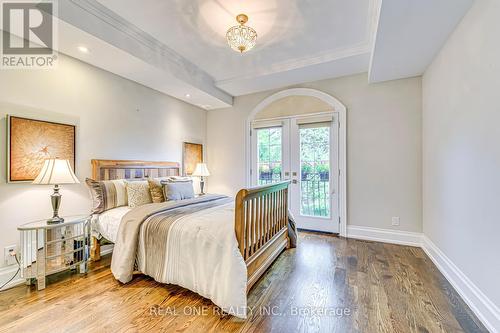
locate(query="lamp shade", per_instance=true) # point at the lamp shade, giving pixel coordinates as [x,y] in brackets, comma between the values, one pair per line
[201,170]
[56,171]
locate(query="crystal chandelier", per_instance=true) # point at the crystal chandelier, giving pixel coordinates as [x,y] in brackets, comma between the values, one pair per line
[240,37]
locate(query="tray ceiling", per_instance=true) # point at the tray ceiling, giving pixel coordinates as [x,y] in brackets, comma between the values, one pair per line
[179,47]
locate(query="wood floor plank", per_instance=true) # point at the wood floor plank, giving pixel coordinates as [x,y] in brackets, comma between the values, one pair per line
[327,284]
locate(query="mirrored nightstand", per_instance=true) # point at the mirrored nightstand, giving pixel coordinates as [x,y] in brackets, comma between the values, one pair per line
[51,248]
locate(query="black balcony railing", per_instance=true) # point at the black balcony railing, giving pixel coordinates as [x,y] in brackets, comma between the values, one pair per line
[314,191]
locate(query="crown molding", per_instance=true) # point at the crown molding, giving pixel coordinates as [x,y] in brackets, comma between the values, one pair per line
[374,8]
[97,20]
[358,49]
[108,16]
[355,50]
[298,63]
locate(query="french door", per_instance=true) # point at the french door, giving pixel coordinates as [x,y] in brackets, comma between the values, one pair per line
[303,149]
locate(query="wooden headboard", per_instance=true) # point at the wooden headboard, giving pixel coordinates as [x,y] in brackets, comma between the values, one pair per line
[124,169]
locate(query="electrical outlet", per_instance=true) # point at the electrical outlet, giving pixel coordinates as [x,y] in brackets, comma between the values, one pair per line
[8,258]
[395,220]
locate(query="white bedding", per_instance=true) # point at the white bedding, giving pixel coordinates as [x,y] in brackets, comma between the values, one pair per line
[108,222]
[190,243]
[201,254]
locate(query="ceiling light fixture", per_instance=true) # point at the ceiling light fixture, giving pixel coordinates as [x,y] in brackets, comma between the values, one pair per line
[188,96]
[241,38]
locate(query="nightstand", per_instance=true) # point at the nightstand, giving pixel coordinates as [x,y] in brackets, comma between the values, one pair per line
[51,248]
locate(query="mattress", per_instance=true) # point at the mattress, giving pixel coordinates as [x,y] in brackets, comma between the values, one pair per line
[108,222]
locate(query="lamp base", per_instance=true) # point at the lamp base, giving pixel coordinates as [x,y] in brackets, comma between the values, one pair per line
[55,198]
[202,185]
[55,220]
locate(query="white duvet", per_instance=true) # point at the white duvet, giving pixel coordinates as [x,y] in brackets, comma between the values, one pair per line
[202,255]
[107,223]
[200,251]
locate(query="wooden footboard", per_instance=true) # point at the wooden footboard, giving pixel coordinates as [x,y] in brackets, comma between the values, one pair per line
[261,226]
[261,212]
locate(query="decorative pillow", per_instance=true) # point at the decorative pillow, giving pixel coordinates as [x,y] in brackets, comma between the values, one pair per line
[138,193]
[107,194]
[156,189]
[178,179]
[178,190]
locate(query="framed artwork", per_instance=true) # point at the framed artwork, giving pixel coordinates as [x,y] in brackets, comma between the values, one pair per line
[192,153]
[30,142]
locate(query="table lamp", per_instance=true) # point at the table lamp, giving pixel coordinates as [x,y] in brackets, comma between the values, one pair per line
[55,172]
[201,171]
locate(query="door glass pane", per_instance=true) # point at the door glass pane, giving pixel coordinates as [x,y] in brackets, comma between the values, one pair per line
[269,155]
[315,171]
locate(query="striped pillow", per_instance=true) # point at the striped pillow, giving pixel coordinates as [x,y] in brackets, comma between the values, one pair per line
[107,194]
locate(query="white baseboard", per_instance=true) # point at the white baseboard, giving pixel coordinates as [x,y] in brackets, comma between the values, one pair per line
[485,310]
[7,272]
[480,304]
[384,235]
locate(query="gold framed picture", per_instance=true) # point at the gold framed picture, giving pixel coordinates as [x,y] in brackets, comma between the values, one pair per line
[192,153]
[30,142]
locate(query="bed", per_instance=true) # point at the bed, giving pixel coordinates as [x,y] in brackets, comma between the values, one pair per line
[240,237]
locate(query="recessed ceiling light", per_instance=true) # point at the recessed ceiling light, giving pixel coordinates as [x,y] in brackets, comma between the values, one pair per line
[187,95]
[83,49]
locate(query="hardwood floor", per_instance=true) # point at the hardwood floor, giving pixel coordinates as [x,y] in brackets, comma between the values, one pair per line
[327,284]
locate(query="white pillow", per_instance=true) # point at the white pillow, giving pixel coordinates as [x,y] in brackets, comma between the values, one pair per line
[178,179]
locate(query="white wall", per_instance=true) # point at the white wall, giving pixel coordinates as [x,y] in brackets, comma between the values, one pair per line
[461,148]
[293,106]
[116,119]
[384,148]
